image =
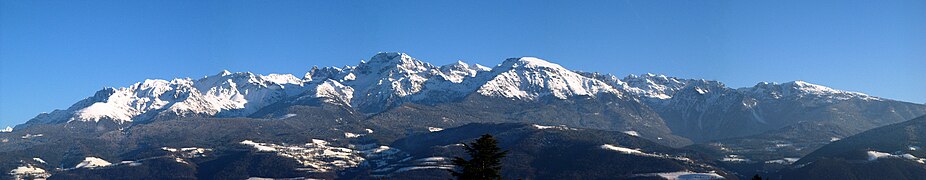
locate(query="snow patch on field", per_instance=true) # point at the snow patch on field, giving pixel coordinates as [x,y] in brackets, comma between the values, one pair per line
[734,158]
[434,159]
[624,150]
[28,170]
[447,167]
[560,127]
[259,146]
[40,160]
[632,133]
[287,116]
[351,135]
[92,162]
[188,152]
[783,161]
[639,152]
[380,151]
[686,175]
[28,136]
[131,163]
[6,130]
[875,155]
[435,129]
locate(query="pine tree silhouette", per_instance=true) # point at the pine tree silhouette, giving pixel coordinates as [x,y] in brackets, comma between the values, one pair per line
[486,162]
[756,177]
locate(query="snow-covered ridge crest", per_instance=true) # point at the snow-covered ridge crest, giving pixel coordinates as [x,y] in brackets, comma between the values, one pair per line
[653,86]
[386,77]
[390,79]
[530,78]
[235,93]
[661,88]
[802,89]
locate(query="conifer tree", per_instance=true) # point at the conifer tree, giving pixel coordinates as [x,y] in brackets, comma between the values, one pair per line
[486,162]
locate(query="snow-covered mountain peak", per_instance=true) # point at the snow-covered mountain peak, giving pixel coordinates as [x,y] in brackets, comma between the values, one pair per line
[530,78]
[123,104]
[458,71]
[530,62]
[479,67]
[808,87]
[228,79]
[282,79]
[332,91]
[387,57]
[387,78]
[336,73]
[399,71]
[308,75]
[392,60]
[459,65]
[224,72]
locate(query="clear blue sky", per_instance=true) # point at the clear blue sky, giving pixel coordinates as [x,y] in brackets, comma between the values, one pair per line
[54,53]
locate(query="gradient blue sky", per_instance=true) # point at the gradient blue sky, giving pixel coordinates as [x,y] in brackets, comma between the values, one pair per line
[54,53]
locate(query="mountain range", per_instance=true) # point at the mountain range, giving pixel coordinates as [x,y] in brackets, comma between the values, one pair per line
[397,116]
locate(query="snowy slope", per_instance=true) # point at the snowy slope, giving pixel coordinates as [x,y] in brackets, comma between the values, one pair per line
[654,86]
[529,78]
[332,91]
[223,94]
[804,90]
[387,78]
[92,162]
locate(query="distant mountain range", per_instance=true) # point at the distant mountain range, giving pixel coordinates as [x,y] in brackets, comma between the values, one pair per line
[393,99]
